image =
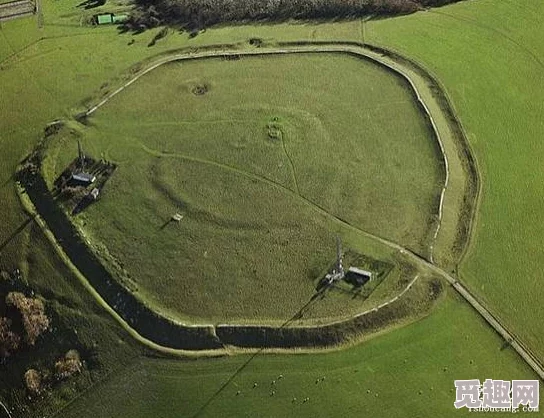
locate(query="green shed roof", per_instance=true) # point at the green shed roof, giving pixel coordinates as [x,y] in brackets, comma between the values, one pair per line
[103,19]
[120,18]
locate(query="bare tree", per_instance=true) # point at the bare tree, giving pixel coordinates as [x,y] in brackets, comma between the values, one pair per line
[33,381]
[69,365]
[32,310]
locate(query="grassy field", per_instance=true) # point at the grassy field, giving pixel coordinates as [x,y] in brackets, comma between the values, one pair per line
[406,373]
[499,98]
[259,212]
[76,323]
[46,73]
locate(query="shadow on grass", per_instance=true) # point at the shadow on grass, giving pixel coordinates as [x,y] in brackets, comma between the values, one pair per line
[15,233]
[164,225]
[91,4]
[9,180]
[83,204]
[299,314]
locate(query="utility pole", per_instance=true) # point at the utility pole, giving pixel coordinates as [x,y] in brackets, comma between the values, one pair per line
[81,156]
[339,257]
[39,13]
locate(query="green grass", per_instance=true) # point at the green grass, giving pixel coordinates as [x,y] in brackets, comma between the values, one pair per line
[48,79]
[409,372]
[76,323]
[490,57]
[253,225]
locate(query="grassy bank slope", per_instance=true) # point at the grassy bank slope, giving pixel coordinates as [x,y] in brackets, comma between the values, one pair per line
[409,372]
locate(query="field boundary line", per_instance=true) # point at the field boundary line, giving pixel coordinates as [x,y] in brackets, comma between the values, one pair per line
[465,145]
[472,22]
[474,219]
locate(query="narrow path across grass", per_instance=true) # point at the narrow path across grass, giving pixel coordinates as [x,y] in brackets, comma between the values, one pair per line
[284,189]
[291,165]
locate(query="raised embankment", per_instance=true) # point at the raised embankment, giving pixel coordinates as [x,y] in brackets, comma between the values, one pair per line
[169,334]
[147,323]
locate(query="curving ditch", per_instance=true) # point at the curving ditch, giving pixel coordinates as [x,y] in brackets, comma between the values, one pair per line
[169,334]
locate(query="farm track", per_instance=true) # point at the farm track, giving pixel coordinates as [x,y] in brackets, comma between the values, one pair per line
[420,261]
[291,165]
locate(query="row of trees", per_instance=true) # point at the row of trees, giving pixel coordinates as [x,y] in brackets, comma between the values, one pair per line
[198,14]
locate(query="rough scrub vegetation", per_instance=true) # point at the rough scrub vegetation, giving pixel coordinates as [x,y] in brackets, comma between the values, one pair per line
[25,321]
[198,14]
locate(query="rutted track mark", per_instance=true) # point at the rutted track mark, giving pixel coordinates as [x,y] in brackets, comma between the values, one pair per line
[291,165]
[491,29]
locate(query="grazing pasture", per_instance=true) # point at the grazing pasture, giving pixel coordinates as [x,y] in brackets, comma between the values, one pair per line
[53,71]
[490,57]
[260,166]
[408,372]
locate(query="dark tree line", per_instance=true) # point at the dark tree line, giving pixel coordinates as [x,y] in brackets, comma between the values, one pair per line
[198,14]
